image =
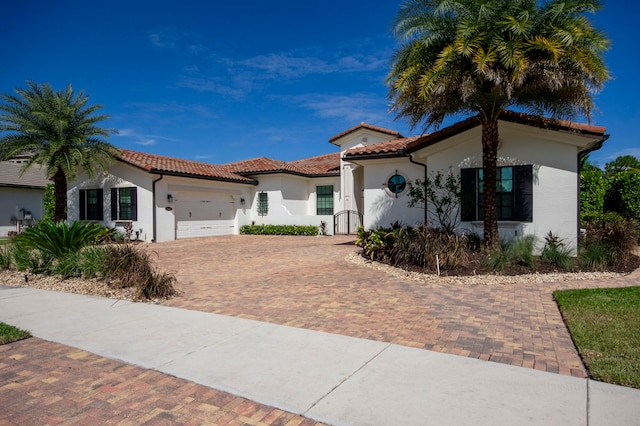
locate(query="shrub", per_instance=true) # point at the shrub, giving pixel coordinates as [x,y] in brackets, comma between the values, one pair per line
[518,252]
[5,256]
[556,252]
[59,239]
[425,247]
[93,261]
[68,265]
[29,259]
[131,267]
[623,195]
[610,230]
[440,193]
[521,250]
[596,255]
[375,243]
[593,186]
[308,230]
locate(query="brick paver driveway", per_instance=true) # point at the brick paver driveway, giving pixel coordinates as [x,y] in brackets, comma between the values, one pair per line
[306,282]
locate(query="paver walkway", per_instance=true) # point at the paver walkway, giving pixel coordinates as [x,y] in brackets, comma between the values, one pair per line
[45,383]
[306,282]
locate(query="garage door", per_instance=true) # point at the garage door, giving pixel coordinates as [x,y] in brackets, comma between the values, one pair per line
[202,214]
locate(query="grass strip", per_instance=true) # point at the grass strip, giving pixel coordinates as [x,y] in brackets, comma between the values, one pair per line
[605,327]
[9,333]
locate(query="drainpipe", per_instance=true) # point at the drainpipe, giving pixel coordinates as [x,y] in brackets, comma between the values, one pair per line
[153,202]
[425,180]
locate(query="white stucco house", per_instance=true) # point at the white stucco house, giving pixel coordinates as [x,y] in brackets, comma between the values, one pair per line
[365,183]
[20,196]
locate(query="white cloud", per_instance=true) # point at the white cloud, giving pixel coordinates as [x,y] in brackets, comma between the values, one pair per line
[168,39]
[352,109]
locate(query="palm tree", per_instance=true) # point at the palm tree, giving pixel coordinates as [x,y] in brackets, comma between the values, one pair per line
[481,57]
[57,130]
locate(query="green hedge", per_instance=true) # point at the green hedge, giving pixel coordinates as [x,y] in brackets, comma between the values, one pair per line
[309,230]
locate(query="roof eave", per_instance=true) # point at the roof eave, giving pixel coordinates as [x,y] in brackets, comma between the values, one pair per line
[9,185]
[376,156]
[287,172]
[196,176]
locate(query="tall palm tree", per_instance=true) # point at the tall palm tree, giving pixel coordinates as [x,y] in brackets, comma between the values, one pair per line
[481,57]
[58,132]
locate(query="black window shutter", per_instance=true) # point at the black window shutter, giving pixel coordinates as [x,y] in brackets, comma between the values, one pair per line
[83,204]
[114,204]
[523,205]
[134,203]
[100,204]
[467,194]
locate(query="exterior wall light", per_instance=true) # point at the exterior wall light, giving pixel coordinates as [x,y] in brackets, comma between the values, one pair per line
[169,198]
[242,201]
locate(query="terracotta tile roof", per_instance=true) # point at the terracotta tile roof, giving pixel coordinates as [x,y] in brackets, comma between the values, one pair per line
[34,177]
[364,125]
[406,145]
[328,164]
[548,123]
[314,166]
[261,165]
[174,166]
[393,147]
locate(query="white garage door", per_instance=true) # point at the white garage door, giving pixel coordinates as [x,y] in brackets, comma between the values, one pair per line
[202,214]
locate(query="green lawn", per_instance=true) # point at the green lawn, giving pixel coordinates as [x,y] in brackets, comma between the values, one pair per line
[605,327]
[9,333]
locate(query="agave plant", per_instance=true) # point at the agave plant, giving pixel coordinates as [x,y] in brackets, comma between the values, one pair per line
[59,239]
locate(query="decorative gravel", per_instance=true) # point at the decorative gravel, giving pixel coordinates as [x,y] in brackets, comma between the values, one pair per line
[487,279]
[89,286]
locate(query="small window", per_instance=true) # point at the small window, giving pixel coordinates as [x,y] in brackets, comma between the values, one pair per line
[91,204]
[263,204]
[124,203]
[396,184]
[324,200]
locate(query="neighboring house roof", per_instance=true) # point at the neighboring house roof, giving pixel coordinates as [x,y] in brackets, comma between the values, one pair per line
[364,125]
[401,147]
[33,178]
[176,167]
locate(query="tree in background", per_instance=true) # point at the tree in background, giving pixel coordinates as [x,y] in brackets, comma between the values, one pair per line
[593,187]
[484,56]
[615,191]
[622,163]
[623,195]
[58,131]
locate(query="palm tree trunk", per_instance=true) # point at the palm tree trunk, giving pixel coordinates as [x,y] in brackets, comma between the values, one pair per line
[489,165]
[60,191]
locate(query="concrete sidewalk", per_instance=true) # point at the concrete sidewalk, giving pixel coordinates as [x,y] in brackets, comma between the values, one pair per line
[330,378]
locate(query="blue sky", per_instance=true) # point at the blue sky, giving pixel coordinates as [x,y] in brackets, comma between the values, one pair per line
[225,81]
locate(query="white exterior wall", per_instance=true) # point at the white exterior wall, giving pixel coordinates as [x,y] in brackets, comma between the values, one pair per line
[382,208]
[122,175]
[555,183]
[12,200]
[292,200]
[351,179]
